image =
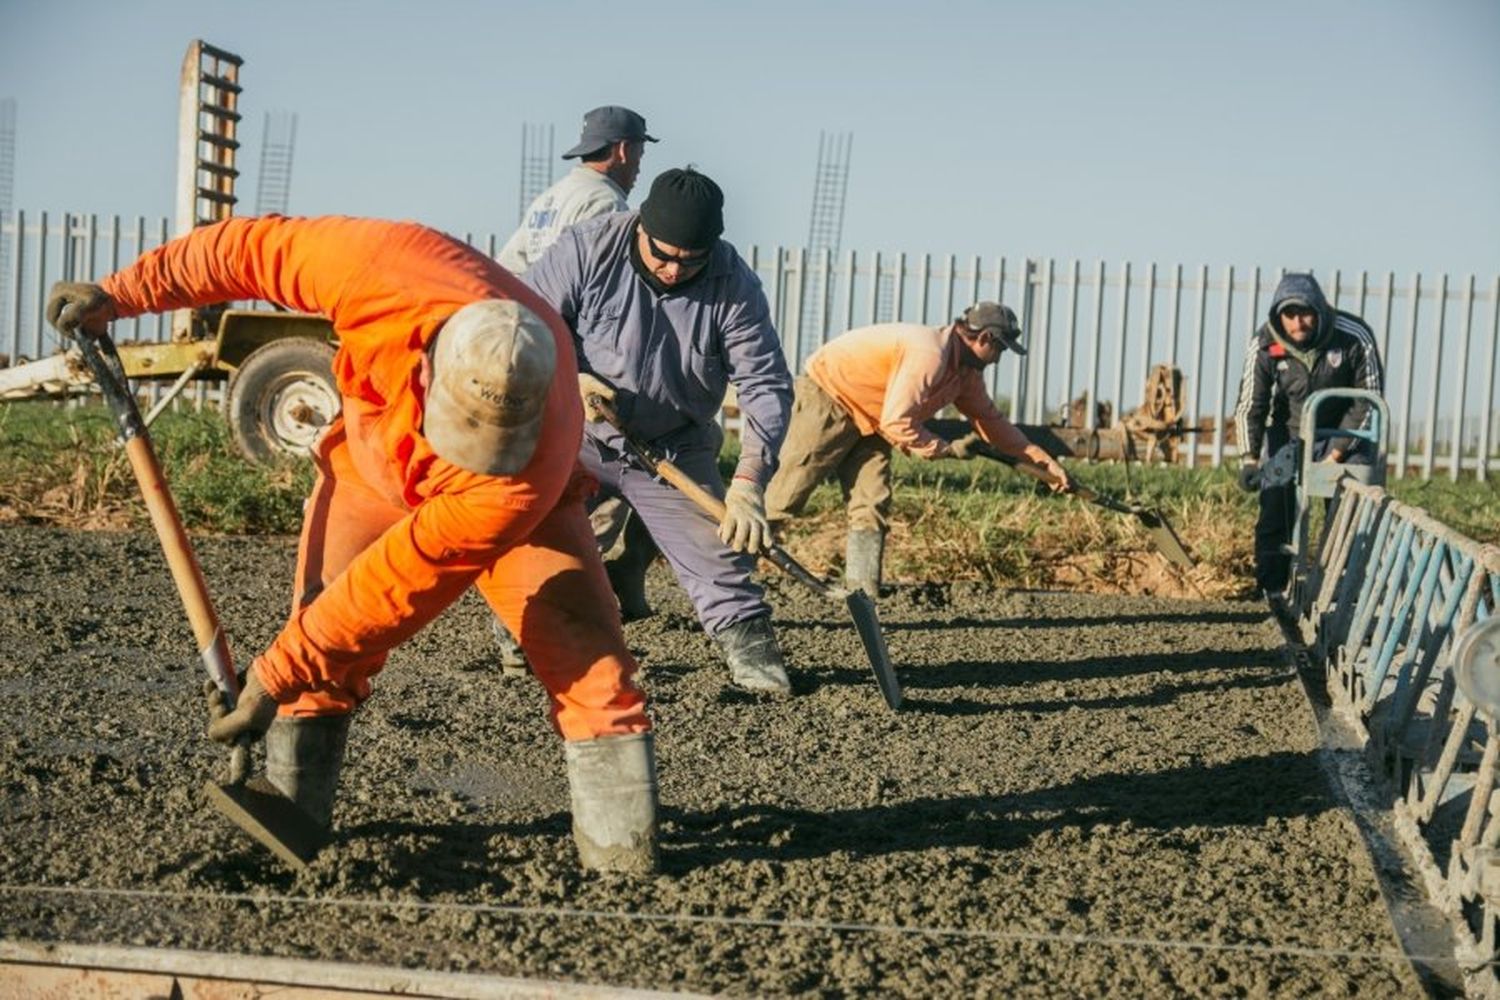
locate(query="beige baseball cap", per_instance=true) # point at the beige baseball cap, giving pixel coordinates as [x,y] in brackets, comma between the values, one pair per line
[492,366]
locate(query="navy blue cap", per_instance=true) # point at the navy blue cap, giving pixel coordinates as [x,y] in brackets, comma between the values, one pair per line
[606,125]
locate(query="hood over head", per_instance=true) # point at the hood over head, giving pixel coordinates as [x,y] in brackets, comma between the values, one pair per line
[1302,289]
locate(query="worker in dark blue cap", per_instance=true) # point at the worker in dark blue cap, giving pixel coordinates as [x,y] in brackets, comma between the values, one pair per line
[609,160]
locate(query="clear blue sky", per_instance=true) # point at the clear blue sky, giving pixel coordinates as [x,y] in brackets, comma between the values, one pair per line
[1328,134]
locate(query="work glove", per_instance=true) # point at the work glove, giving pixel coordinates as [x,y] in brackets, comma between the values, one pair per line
[252,716]
[593,385]
[964,447]
[1250,477]
[75,304]
[745,528]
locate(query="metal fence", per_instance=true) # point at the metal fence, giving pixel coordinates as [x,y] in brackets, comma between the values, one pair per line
[1094,329]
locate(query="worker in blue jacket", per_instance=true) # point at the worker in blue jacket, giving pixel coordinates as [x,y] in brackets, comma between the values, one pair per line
[665,316]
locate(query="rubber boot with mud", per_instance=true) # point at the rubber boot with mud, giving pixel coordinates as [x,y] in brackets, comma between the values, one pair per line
[512,657]
[863,552]
[627,570]
[303,759]
[754,656]
[612,781]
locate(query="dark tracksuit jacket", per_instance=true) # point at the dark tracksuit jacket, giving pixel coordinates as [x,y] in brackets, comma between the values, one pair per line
[1277,382]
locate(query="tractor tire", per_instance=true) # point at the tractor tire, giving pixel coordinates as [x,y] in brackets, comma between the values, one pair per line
[282,397]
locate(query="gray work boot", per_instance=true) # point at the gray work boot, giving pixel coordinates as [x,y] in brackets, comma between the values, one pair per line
[512,657]
[863,552]
[303,759]
[613,784]
[627,570]
[754,657]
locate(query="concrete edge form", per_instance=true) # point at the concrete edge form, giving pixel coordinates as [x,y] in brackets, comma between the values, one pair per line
[32,969]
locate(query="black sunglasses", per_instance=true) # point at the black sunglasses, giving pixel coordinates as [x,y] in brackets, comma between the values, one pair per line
[696,260]
[1294,311]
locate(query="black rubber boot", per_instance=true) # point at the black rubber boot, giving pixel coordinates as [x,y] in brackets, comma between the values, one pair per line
[512,657]
[627,570]
[612,781]
[863,553]
[304,758]
[754,656]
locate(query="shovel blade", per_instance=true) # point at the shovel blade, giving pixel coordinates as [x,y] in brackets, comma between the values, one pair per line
[862,610]
[259,808]
[1165,539]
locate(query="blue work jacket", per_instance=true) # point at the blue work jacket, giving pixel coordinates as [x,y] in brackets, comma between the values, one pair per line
[670,356]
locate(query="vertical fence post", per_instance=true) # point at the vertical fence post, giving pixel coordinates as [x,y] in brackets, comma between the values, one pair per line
[1036,388]
[1411,350]
[1429,453]
[849,274]
[1091,414]
[1176,313]
[951,276]
[898,289]
[1482,469]
[41,286]
[17,269]
[1148,327]
[1456,445]
[1118,404]
[1222,416]
[825,296]
[1195,413]
[1071,344]
[924,279]
[1019,388]
[795,306]
[874,296]
[139,248]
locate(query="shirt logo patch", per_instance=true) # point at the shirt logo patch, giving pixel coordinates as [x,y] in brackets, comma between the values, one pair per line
[1281,365]
[1276,350]
[1335,357]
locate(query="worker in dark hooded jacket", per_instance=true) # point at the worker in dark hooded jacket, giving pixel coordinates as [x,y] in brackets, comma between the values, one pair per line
[1305,345]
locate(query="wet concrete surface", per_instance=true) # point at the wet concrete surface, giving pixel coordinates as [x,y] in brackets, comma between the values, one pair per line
[1081,796]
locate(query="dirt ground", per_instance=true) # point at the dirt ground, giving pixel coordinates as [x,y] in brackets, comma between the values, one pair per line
[1082,796]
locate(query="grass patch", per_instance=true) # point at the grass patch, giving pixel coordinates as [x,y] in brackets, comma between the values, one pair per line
[60,464]
[950,520]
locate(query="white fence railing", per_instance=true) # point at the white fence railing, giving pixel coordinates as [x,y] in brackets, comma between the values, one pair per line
[1094,328]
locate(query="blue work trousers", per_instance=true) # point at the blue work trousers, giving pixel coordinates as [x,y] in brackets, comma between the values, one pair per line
[716,578]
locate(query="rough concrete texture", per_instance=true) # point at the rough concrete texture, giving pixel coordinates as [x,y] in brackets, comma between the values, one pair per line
[1082,796]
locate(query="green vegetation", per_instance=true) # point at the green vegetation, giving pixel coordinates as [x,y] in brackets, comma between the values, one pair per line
[951,520]
[61,464]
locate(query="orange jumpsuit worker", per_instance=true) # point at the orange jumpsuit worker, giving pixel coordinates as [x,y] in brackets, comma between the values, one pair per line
[453,464]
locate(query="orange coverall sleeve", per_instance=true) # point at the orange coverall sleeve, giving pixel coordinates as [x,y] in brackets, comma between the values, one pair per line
[975,403]
[912,383]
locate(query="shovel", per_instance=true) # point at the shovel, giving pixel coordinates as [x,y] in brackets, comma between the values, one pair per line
[253,804]
[861,608]
[1162,536]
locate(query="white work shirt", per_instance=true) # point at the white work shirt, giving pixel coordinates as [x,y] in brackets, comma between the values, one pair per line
[582,194]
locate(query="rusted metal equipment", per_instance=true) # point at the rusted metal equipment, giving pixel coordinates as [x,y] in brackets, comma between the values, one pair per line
[253,804]
[861,607]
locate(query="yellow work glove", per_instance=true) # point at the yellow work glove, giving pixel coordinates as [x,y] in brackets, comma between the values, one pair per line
[593,385]
[745,528]
[75,304]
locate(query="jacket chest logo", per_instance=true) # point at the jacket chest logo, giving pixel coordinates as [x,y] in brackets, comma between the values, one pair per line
[1281,365]
[1335,358]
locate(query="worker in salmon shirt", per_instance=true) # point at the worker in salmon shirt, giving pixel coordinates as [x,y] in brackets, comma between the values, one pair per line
[453,464]
[870,390]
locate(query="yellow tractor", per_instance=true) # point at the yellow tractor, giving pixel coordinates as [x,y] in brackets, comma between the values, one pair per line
[280,391]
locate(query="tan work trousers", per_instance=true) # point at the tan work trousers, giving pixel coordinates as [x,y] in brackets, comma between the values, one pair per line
[822,441]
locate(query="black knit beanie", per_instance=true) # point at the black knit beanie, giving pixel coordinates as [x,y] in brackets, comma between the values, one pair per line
[684,209]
